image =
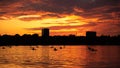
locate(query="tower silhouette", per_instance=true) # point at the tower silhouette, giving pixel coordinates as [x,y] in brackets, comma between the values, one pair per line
[45,32]
[90,34]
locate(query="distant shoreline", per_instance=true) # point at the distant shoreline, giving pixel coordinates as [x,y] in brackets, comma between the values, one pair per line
[58,40]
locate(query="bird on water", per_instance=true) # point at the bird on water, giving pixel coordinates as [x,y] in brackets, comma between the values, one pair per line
[92,49]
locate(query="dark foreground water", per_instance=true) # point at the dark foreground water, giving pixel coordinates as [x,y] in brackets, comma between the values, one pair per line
[60,57]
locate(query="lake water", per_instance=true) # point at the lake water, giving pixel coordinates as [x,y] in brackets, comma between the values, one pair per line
[60,56]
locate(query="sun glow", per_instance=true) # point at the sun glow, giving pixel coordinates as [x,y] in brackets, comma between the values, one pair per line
[16,25]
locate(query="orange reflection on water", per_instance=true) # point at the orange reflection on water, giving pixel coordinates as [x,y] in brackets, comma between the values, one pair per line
[59,56]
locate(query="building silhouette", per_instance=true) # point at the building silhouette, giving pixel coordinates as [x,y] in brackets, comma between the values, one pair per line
[45,39]
[45,32]
[90,34]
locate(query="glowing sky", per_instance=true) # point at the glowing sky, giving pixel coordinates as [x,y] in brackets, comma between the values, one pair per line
[62,17]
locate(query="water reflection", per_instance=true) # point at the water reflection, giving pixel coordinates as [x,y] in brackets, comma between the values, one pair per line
[62,57]
[45,54]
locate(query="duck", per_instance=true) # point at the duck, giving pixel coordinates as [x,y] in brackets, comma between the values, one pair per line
[33,48]
[92,49]
[60,47]
[3,47]
[55,49]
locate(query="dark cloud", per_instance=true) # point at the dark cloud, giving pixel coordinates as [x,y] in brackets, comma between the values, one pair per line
[2,13]
[113,9]
[51,15]
[7,2]
[46,7]
[118,24]
[61,6]
[85,4]
[107,28]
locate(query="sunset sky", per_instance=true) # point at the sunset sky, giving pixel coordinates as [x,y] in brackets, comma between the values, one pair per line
[62,17]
